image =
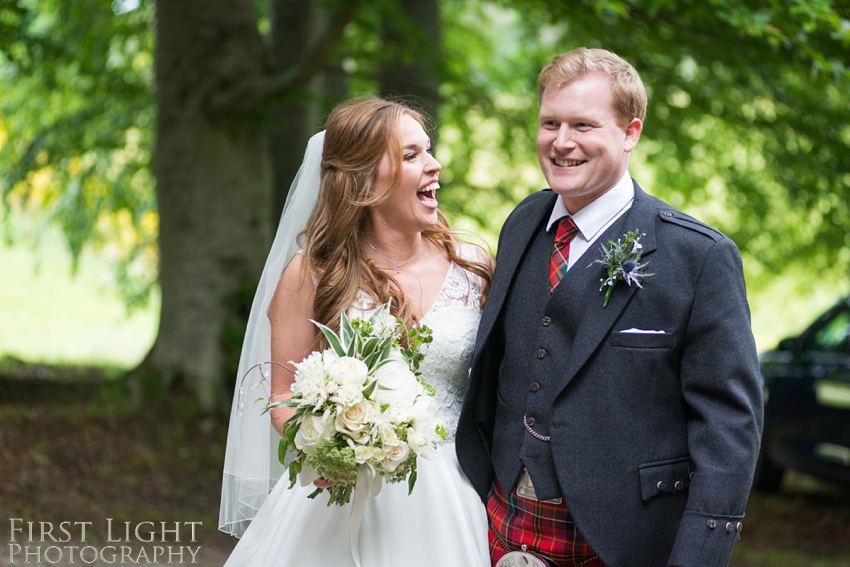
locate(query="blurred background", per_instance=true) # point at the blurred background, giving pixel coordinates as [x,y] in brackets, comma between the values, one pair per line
[146,149]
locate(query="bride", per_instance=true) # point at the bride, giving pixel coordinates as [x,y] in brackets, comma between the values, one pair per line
[365,198]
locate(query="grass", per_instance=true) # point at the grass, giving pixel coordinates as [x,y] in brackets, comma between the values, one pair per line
[48,315]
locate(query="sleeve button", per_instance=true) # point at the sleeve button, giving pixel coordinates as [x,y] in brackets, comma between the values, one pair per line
[740,526]
[729,527]
[712,523]
[679,486]
[661,486]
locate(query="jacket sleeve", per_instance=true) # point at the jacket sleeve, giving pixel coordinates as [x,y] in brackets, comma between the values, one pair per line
[722,393]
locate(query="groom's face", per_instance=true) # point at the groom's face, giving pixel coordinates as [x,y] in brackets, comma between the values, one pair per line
[582,145]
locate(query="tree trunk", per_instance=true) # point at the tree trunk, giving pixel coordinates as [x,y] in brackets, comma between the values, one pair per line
[412,44]
[213,185]
[294,25]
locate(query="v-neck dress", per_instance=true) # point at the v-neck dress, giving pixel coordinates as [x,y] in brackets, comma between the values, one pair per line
[443,522]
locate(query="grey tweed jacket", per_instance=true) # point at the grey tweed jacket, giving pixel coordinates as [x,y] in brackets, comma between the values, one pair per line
[654,436]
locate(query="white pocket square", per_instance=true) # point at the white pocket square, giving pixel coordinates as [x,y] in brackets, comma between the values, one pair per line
[635,331]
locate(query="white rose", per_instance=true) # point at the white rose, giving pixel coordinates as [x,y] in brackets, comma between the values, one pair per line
[348,394]
[348,370]
[395,455]
[425,414]
[387,434]
[396,382]
[418,442]
[312,431]
[352,420]
[364,453]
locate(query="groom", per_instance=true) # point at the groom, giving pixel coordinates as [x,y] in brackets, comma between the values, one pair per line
[620,429]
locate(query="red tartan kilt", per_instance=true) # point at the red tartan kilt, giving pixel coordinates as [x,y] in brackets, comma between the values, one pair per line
[547,529]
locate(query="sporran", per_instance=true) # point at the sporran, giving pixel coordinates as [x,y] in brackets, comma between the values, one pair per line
[519,559]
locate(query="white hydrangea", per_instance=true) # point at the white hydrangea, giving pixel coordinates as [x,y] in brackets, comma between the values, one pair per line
[311,380]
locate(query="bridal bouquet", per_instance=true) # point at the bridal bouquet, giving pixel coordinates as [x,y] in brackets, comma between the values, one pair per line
[362,402]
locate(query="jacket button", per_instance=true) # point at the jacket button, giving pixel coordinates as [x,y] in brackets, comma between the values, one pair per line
[729,527]
[530,421]
[679,486]
[535,386]
[546,321]
[541,353]
[712,523]
[661,486]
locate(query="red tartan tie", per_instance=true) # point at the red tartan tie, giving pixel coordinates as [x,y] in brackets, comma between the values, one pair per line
[559,262]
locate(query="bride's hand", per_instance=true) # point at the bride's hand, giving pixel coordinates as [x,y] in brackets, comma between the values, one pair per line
[322,483]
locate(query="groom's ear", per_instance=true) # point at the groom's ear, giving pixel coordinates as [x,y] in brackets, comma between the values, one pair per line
[633,130]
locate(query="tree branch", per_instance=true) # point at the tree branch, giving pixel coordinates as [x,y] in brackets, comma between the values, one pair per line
[250,95]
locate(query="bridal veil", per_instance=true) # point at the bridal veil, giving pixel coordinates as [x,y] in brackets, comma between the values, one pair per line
[251,465]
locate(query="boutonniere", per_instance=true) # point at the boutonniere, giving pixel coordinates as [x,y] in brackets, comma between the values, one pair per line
[622,263]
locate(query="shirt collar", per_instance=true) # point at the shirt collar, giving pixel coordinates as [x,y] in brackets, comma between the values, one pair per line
[595,215]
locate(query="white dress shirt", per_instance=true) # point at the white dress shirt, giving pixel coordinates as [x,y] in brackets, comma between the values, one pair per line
[594,218]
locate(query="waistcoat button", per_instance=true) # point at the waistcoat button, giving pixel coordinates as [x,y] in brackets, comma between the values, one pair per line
[535,386]
[541,353]
[546,321]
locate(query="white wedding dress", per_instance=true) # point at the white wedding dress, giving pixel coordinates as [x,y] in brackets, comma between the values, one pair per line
[443,522]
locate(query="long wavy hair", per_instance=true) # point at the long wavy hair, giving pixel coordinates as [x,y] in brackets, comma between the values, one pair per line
[358,134]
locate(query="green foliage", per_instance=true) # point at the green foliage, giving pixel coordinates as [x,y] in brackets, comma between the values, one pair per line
[335,462]
[76,127]
[747,125]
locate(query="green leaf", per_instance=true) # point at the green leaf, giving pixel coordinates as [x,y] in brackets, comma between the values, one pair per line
[290,428]
[376,313]
[332,338]
[346,331]
[295,468]
[608,293]
[411,480]
[370,346]
[370,389]
[282,446]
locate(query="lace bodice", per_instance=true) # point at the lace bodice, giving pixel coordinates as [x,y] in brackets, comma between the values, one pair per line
[453,320]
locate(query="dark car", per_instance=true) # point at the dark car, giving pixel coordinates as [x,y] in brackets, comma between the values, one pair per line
[807,402]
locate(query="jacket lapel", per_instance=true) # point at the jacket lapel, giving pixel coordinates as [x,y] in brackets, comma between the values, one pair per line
[580,301]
